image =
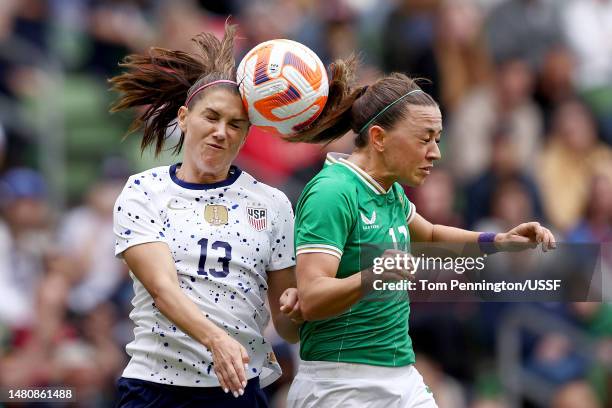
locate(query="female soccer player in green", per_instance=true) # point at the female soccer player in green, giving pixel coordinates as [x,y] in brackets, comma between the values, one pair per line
[354,352]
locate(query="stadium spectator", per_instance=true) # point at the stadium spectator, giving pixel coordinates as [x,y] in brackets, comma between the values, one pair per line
[25,242]
[511,202]
[595,227]
[489,402]
[115,29]
[555,82]
[3,142]
[596,223]
[85,237]
[436,199]
[463,59]
[587,27]
[448,391]
[506,100]
[514,23]
[408,42]
[505,164]
[577,394]
[568,162]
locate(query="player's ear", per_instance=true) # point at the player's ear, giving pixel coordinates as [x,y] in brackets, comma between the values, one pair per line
[377,137]
[182,118]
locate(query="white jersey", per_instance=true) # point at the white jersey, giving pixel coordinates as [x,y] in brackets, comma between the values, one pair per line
[223,237]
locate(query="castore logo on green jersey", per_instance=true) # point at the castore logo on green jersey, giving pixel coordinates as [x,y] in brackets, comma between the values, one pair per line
[369,222]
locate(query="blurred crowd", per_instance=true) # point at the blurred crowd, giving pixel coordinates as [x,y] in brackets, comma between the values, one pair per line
[525,87]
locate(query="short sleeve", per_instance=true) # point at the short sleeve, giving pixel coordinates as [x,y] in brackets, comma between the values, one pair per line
[407,205]
[325,217]
[135,218]
[282,256]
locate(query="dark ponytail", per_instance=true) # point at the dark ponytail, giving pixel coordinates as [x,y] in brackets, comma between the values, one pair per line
[357,109]
[335,119]
[162,80]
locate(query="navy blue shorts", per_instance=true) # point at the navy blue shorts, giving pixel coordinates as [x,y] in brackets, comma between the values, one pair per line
[135,393]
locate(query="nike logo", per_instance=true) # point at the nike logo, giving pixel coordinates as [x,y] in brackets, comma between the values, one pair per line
[173,205]
[368,221]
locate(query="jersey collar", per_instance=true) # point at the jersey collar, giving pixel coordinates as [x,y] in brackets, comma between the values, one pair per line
[232,176]
[340,158]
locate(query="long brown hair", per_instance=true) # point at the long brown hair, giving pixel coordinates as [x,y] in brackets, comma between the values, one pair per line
[350,108]
[161,80]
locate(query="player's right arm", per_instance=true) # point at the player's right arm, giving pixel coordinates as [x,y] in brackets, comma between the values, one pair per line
[154,267]
[321,294]
[325,215]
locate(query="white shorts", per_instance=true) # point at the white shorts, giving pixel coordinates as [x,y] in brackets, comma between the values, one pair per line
[329,385]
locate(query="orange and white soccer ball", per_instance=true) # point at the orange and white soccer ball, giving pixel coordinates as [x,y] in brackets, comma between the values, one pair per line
[283,85]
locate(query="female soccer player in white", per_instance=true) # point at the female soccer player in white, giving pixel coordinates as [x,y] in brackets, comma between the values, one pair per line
[205,241]
[355,352]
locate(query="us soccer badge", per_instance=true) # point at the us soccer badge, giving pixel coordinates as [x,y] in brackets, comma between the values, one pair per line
[258,218]
[216,214]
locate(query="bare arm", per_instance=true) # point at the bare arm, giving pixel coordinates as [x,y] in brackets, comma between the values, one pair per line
[321,294]
[278,283]
[422,230]
[154,267]
[518,237]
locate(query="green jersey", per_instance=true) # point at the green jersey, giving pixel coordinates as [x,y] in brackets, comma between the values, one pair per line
[345,213]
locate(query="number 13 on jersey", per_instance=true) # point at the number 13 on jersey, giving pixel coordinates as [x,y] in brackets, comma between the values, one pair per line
[223,260]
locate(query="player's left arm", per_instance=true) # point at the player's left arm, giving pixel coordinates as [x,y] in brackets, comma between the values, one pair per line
[284,304]
[526,234]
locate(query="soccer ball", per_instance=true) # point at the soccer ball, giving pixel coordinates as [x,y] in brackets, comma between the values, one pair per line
[283,85]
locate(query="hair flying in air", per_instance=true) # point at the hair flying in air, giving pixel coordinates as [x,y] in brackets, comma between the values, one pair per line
[162,80]
[358,108]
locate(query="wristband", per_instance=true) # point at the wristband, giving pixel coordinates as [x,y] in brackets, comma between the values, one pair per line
[486,242]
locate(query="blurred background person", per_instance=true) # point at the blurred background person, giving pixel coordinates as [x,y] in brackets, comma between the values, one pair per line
[460,49]
[586,27]
[575,395]
[437,199]
[507,99]
[408,37]
[527,29]
[25,242]
[2,145]
[555,82]
[505,164]
[572,155]
[595,224]
[85,237]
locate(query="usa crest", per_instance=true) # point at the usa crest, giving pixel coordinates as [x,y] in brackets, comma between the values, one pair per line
[258,218]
